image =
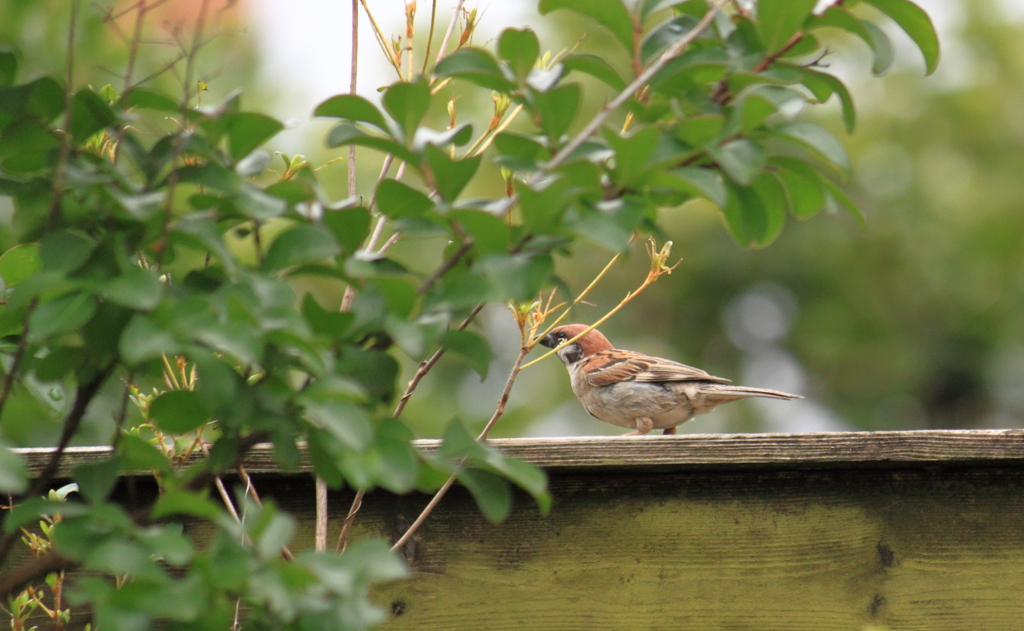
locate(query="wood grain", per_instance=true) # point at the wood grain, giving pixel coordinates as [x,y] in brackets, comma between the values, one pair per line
[838,449]
[898,531]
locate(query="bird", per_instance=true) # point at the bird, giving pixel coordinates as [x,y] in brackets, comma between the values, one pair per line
[638,391]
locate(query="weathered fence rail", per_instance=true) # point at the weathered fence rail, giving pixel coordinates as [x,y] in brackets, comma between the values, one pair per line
[915,530]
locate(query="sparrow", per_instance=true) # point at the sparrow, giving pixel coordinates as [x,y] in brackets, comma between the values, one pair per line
[634,390]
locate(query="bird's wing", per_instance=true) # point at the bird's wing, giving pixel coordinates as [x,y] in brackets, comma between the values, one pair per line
[614,366]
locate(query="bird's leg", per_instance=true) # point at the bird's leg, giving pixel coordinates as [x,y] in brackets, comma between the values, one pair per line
[643,425]
[669,431]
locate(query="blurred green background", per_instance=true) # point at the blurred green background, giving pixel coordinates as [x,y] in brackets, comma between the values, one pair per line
[915,320]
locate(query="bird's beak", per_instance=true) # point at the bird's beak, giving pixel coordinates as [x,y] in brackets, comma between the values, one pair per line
[549,341]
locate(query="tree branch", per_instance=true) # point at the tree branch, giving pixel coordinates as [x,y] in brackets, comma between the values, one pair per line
[638,83]
[498,412]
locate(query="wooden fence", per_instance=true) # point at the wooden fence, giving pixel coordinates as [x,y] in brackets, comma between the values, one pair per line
[842,531]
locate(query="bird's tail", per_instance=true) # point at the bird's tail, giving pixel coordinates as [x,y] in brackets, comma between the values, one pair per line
[724,393]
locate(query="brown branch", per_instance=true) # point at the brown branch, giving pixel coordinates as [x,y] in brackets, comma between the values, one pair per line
[16,580]
[451,262]
[425,367]
[353,510]
[352,90]
[643,79]
[84,395]
[498,412]
[427,364]
[430,36]
[768,60]
[320,536]
[19,354]
[448,33]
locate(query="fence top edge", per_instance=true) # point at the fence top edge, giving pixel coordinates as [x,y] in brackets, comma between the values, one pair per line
[831,449]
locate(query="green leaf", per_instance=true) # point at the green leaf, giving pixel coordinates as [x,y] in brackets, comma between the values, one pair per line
[178,411]
[397,461]
[352,107]
[519,276]
[135,288]
[836,195]
[62,315]
[143,340]
[176,502]
[489,233]
[450,176]
[96,479]
[19,263]
[61,361]
[819,141]
[350,227]
[917,25]
[824,85]
[632,154]
[202,232]
[42,100]
[557,108]
[89,114]
[542,208]
[741,159]
[348,134]
[597,67]
[520,49]
[248,130]
[345,421]
[694,181]
[26,146]
[755,215]
[398,200]
[333,324]
[471,347]
[476,66]
[611,14]
[778,20]
[491,492]
[804,190]
[408,104]
[65,251]
[8,65]
[304,243]
[700,130]
[666,34]
[518,152]
[882,47]
[611,223]
[150,100]
[140,455]
[13,478]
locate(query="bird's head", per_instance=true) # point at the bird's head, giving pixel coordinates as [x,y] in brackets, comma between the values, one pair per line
[586,346]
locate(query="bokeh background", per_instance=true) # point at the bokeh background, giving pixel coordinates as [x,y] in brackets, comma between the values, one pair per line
[915,320]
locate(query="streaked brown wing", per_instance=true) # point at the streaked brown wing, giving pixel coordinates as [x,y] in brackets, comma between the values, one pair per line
[614,366]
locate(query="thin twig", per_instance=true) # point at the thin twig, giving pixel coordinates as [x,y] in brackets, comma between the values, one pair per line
[346,527]
[427,364]
[353,76]
[627,92]
[320,536]
[448,33]
[498,412]
[421,372]
[477,150]
[445,267]
[658,268]
[382,41]
[84,395]
[430,36]
[19,354]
